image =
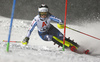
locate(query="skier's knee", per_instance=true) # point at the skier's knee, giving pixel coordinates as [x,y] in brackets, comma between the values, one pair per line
[47,38]
[60,36]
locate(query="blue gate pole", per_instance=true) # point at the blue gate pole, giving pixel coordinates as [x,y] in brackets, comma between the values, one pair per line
[10,28]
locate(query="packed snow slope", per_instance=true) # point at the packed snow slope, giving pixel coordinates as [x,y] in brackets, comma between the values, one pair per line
[42,51]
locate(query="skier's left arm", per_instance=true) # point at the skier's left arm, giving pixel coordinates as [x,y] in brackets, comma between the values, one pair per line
[60,24]
[55,19]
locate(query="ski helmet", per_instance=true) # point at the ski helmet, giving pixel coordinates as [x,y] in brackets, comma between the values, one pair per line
[43,9]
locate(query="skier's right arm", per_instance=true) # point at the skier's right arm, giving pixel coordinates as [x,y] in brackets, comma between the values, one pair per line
[33,24]
[26,39]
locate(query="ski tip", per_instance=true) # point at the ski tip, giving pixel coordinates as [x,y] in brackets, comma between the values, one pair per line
[87,52]
[73,48]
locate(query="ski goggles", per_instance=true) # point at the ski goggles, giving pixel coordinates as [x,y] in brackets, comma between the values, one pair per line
[43,13]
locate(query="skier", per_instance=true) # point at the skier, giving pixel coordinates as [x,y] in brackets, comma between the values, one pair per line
[46,30]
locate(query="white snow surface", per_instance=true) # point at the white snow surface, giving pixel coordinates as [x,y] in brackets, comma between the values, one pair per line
[44,51]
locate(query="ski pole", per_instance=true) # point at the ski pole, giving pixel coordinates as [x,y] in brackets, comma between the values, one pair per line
[83,33]
[13,8]
[12,41]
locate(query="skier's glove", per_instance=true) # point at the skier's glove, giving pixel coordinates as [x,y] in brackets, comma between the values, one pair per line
[25,41]
[60,25]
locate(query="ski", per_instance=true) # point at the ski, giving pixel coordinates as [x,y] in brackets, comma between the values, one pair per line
[70,44]
[12,41]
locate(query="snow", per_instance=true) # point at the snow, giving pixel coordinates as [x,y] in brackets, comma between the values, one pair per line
[43,51]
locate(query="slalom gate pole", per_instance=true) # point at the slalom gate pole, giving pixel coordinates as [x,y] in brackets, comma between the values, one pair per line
[65,25]
[13,8]
[83,33]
